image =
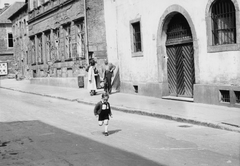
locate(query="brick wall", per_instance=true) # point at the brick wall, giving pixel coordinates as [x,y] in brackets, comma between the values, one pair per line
[4,30]
[69,14]
[96,28]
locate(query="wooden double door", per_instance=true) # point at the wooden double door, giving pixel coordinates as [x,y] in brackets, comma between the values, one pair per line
[180,69]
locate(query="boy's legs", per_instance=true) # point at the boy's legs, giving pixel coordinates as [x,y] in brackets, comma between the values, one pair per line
[106,126]
[100,123]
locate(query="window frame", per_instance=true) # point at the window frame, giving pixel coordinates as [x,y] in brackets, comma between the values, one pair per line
[80,37]
[67,40]
[8,40]
[211,48]
[136,53]
[40,48]
[32,49]
[56,42]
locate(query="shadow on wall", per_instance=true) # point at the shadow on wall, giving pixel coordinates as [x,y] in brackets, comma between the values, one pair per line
[116,79]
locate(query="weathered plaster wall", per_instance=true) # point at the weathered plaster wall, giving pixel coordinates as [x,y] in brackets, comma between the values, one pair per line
[210,68]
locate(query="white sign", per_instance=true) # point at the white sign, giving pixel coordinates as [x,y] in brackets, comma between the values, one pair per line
[3,68]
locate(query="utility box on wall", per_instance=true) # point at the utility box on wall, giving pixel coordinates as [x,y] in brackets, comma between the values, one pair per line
[81,81]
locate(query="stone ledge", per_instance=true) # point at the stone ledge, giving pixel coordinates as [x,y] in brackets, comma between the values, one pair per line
[70,82]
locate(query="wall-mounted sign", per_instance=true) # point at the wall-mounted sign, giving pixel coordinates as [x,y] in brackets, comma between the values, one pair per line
[3,68]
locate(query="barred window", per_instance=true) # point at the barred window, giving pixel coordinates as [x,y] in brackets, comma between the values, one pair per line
[137,46]
[223,22]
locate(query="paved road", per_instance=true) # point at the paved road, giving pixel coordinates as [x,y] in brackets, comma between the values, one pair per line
[37,131]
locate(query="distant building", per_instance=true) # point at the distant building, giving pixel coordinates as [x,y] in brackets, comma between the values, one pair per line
[183,50]
[6,35]
[62,39]
[21,41]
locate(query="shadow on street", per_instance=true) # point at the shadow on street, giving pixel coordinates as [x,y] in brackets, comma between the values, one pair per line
[36,143]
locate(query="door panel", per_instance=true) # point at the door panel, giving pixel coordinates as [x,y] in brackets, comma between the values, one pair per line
[188,61]
[180,68]
[172,79]
[180,71]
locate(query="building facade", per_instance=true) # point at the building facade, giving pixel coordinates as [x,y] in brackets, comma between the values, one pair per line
[6,36]
[20,41]
[63,35]
[177,49]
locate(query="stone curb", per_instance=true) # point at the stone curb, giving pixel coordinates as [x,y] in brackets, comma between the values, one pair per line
[139,112]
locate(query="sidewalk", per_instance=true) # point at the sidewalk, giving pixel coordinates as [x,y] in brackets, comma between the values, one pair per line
[220,117]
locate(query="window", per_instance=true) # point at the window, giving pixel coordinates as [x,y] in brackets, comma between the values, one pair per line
[224,24]
[10,40]
[224,96]
[32,50]
[237,95]
[55,51]
[80,38]
[39,51]
[47,45]
[67,40]
[136,37]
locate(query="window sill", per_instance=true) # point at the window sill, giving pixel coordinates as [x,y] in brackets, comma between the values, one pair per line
[222,48]
[137,54]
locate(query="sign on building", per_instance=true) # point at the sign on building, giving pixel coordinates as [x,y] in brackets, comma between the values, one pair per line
[3,68]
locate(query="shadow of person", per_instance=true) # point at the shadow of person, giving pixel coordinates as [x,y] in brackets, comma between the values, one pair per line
[114,131]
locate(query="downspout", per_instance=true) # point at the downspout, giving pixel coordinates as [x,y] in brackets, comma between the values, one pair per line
[86,30]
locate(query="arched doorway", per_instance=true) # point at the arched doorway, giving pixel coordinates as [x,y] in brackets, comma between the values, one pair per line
[180,53]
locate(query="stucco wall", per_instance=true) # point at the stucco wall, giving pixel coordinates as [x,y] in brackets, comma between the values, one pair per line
[210,68]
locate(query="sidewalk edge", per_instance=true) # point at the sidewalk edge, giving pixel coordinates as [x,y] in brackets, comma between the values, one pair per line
[139,112]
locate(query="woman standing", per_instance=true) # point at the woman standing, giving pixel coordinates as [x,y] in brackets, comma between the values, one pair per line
[91,78]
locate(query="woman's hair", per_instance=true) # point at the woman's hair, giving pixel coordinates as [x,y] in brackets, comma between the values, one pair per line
[92,62]
[105,95]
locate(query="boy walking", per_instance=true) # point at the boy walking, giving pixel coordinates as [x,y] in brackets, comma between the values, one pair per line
[102,110]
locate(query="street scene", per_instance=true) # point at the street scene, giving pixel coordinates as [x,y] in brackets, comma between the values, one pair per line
[37,130]
[119,83]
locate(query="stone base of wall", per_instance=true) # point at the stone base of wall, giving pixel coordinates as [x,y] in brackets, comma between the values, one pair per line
[146,89]
[211,94]
[70,82]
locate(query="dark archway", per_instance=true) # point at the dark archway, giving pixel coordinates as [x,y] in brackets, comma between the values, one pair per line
[162,55]
[180,62]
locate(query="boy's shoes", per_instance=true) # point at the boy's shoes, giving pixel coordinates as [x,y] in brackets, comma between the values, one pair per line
[93,93]
[105,133]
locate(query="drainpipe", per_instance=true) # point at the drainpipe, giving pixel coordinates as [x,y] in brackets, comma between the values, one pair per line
[86,30]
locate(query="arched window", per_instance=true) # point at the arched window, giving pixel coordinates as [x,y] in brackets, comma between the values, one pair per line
[223,22]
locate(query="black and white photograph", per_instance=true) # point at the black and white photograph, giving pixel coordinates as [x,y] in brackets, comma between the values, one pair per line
[119,82]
